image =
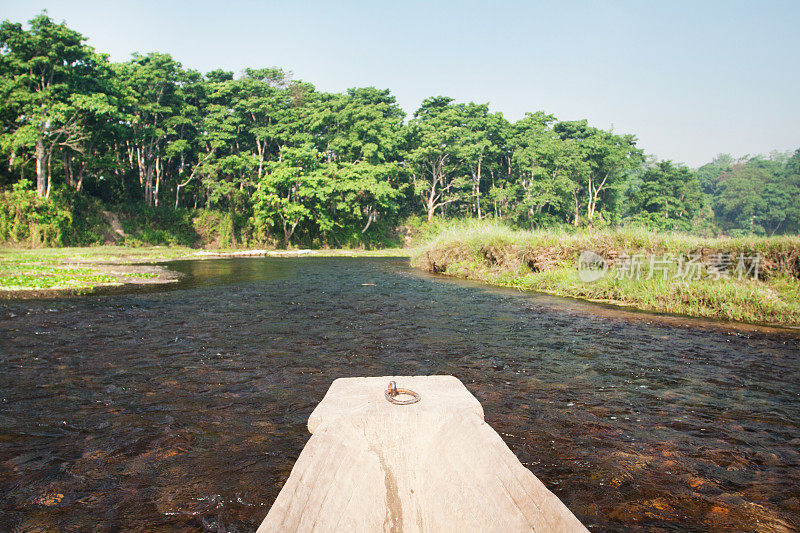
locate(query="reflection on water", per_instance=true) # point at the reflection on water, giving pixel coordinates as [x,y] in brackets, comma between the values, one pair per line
[186,408]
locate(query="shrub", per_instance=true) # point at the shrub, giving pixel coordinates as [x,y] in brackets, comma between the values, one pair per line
[65,219]
[157,225]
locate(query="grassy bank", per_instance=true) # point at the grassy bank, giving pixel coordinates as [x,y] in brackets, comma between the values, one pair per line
[547,261]
[54,271]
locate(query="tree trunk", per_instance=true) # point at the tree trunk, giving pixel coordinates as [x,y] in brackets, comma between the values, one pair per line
[373,214]
[140,162]
[158,181]
[49,173]
[577,211]
[478,189]
[41,169]
[191,176]
[431,207]
[288,231]
[594,194]
[148,185]
[261,149]
[79,184]
[67,168]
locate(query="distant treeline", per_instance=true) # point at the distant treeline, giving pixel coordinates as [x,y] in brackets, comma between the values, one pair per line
[284,162]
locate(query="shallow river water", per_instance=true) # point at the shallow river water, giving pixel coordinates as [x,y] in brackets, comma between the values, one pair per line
[184,408]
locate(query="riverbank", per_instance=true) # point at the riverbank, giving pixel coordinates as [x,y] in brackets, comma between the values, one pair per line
[750,279]
[48,272]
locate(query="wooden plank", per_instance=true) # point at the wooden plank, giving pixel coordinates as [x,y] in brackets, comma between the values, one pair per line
[435,465]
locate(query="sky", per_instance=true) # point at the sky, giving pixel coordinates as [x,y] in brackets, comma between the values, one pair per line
[689,79]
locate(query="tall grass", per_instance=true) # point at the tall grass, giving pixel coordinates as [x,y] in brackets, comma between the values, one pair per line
[546,261]
[480,233]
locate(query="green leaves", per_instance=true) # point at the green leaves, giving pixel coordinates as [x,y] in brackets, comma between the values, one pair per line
[52,94]
[759,196]
[287,194]
[337,168]
[303,190]
[668,197]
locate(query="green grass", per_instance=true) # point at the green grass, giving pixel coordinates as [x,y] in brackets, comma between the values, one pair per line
[546,261]
[43,278]
[142,275]
[76,268]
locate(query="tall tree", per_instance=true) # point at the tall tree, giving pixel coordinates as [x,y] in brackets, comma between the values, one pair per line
[150,101]
[758,196]
[547,169]
[47,71]
[481,143]
[668,197]
[289,193]
[362,134]
[609,158]
[434,154]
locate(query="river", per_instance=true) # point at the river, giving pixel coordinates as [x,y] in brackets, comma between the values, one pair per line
[184,408]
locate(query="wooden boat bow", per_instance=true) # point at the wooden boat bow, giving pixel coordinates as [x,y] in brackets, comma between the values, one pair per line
[433,464]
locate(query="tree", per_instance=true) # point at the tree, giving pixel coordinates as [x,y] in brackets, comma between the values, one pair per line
[48,71]
[150,101]
[361,134]
[364,125]
[262,101]
[668,197]
[547,168]
[368,190]
[434,155]
[482,141]
[609,158]
[287,194]
[758,196]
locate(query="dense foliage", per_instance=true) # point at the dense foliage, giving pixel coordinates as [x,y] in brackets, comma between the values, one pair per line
[274,160]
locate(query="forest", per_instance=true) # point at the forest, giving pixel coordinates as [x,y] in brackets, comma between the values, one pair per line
[180,157]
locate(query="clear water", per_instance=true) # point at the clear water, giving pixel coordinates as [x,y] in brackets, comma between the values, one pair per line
[184,408]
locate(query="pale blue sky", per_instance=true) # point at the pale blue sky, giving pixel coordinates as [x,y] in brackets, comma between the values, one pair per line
[690,79]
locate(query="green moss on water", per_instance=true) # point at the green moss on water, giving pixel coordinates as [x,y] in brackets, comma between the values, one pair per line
[63,268]
[54,280]
[142,275]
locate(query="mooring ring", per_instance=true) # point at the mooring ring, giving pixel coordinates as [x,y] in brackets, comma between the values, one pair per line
[392,392]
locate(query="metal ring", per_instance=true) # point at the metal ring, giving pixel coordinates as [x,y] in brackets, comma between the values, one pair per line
[392,392]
